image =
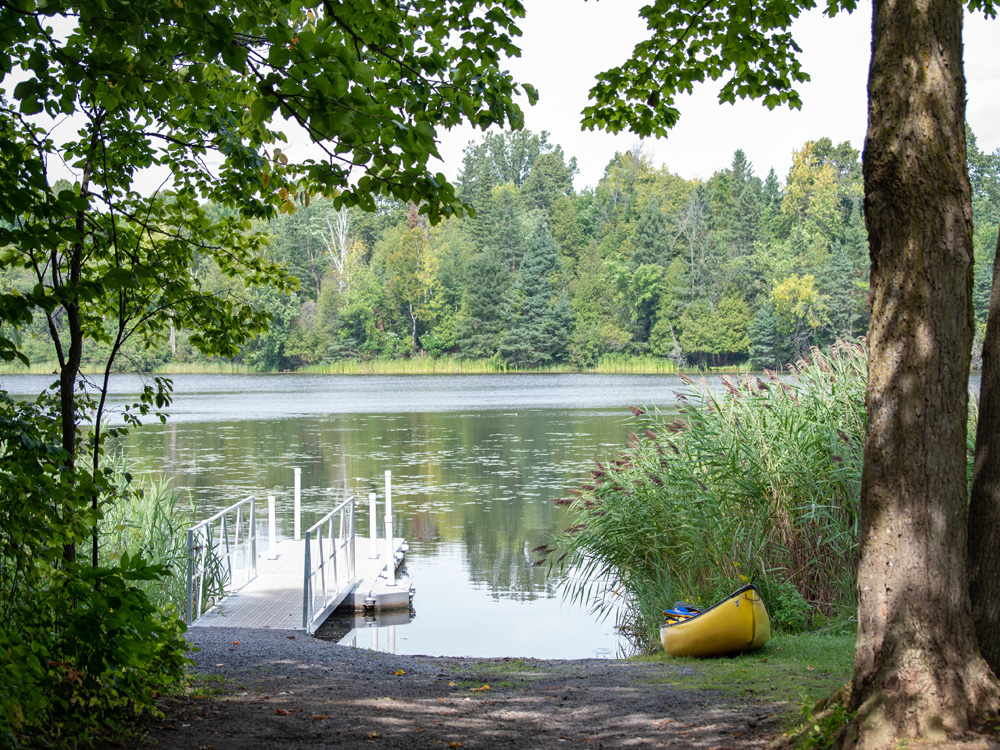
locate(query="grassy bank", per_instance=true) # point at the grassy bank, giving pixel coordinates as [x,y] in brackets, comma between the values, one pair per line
[174,368]
[451,366]
[795,669]
[405,366]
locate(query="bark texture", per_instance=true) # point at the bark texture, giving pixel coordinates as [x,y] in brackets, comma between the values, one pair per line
[917,668]
[984,508]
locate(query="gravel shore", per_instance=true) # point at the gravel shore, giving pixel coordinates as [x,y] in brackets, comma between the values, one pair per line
[260,689]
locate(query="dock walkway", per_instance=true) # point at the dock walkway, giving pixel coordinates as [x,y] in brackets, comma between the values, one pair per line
[274,599]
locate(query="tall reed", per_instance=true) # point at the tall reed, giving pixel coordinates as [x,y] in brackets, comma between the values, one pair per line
[147,517]
[760,483]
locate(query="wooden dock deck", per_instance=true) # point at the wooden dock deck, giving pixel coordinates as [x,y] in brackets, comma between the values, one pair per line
[274,598]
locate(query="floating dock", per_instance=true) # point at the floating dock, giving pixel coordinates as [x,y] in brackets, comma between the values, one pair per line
[274,599]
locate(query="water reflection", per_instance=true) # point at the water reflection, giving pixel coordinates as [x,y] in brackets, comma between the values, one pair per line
[476,463]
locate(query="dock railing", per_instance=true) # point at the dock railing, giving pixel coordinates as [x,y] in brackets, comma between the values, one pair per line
[329,564]
[222,549]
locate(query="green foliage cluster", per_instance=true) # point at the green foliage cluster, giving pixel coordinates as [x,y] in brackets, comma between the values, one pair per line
[82,648]
[730,271]
[760,483]
[101,271]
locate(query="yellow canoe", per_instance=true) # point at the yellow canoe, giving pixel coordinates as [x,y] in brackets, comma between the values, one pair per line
[736,624]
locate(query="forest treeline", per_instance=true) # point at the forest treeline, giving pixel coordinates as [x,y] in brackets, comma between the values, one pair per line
[734,270]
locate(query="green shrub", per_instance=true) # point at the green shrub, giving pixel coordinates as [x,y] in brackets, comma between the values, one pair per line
[82,648]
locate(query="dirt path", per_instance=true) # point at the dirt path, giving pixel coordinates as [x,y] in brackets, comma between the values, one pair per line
[277,689]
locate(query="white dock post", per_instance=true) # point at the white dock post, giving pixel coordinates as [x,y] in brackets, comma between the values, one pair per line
[391,638]
[271,529]
[372,527]
[298,503]
[390,557]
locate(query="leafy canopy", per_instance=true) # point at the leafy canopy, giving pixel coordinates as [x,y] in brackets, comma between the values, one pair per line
[747,44]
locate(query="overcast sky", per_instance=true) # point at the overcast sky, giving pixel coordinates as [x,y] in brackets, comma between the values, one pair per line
[567,42]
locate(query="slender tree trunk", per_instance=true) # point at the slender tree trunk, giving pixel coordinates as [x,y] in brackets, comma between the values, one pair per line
[917,672]
[984,508]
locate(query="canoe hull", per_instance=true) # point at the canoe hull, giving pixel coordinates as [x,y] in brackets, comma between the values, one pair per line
[737,624]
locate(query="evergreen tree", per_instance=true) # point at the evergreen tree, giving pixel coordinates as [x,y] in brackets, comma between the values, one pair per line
[767,346]
[539,317]
[550,178]
[480,323]
[651,237]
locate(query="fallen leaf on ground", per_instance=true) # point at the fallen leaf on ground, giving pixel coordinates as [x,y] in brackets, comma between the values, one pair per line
[811,669]
[236,643]
[220,665]
[454,744]
[452,684]
[319,717]
[480,689]
[666,721]
[400,671]
[281,712]
[373,735]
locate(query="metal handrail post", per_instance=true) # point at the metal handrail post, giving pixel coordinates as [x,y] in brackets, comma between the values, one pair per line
[390,552]
[333,553]
[351,562]
[372,527]
[297,498]
[253,540]
[306,596]
[190,581]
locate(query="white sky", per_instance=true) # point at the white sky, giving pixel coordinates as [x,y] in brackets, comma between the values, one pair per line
[567,42]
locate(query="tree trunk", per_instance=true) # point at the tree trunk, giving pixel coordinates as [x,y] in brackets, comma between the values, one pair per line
[984,508]
[917,671]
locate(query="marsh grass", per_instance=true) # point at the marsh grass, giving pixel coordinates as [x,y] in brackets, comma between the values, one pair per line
[455,366]
[416,365]
[148,517]
[759,483]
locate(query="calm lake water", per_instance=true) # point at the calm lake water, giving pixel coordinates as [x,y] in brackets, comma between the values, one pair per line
[476,462]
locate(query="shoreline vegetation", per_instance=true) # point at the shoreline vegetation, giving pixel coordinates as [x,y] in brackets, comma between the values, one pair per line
[648,365]
[757,484]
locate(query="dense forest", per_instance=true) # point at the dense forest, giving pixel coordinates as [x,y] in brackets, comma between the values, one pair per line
[734,270]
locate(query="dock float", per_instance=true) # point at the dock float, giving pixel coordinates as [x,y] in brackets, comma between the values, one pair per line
[274,598]
[299,583]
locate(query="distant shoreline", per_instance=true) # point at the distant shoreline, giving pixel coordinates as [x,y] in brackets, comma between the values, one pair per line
[408,366]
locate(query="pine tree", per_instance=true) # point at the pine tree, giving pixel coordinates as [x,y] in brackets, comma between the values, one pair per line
[651,237]
[767,347]
[480,324]
[539,317]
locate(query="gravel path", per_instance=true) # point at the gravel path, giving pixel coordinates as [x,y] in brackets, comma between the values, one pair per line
[280,689]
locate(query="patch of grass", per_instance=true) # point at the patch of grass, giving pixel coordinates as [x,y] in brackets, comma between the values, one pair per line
[793,669]
[208,685]
[508,666]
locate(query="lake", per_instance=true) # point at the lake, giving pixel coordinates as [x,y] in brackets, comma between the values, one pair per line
[476,462]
